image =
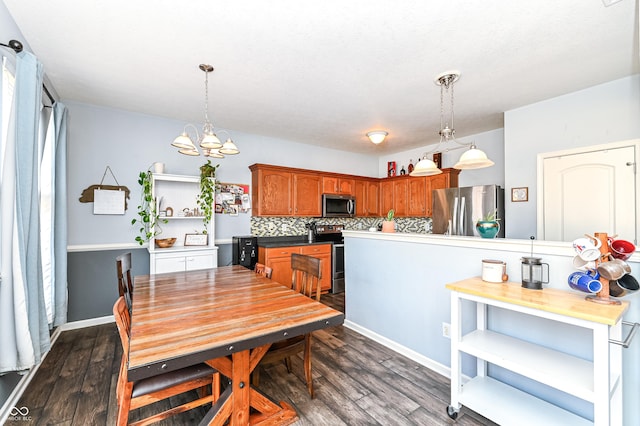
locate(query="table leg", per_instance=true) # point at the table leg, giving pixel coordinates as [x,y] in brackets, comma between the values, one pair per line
[235,402]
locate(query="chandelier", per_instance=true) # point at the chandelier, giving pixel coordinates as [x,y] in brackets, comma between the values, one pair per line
[208,141]
[473,158]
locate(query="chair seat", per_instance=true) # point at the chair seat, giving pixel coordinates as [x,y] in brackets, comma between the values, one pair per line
[286,343]
[170,379]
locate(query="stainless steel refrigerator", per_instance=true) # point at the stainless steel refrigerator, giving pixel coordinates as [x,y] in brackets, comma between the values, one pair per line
[456,210]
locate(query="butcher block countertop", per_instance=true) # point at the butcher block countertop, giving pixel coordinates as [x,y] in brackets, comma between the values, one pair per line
[561,302]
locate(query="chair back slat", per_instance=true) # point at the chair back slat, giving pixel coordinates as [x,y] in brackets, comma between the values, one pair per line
[123,321]
[306,275]
[125,282]
[263,270]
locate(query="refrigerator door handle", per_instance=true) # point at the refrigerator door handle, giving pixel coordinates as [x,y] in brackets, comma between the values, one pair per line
[455,217]
[461,218]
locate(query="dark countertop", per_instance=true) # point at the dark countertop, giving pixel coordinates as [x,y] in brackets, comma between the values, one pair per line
[295,240]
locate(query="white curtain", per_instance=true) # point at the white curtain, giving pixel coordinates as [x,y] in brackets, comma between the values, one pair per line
[24,324]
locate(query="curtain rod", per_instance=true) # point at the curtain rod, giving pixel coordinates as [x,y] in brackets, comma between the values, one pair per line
[16,46]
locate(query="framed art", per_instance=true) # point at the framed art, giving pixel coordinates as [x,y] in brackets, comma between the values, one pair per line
[520,194]
[391,169]
[196,239]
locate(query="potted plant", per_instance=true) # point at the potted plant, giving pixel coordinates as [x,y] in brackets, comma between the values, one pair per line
[488,226]
[148,215]
[207,194]
[388,224]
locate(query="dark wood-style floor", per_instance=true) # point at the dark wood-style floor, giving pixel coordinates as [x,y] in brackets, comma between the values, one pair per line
[357,382]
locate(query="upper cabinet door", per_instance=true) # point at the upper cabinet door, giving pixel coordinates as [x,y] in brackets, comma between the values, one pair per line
[417,196]
[272,192]
[307,195]
[338,185]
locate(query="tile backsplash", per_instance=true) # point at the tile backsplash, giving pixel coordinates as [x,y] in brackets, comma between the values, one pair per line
[285,226]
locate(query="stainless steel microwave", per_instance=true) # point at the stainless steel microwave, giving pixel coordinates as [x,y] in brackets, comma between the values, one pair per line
[335,205]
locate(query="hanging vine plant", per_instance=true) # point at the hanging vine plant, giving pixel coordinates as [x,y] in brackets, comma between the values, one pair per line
[206,198]
[148,216]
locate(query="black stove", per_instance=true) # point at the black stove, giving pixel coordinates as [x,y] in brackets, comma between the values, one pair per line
[329,233]
[333,234]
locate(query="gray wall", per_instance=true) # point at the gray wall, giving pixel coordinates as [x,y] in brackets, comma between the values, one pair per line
[93,281]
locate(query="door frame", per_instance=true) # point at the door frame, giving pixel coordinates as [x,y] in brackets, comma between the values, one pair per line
[583,150]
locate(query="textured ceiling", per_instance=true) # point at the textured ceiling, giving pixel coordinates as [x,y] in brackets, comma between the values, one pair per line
[326,72]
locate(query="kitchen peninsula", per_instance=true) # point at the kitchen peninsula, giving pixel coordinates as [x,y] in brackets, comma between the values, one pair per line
[395,294]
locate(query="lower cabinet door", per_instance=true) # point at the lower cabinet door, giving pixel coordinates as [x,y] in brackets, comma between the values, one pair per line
[202,261]
[169,264]
[322,252]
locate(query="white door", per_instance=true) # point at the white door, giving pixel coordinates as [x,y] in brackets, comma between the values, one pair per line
[590,192]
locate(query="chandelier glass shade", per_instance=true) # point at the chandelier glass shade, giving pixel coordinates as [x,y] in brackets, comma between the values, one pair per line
[208,141]
[473,158]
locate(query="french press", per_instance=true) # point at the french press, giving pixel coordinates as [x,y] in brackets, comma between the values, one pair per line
[533,271]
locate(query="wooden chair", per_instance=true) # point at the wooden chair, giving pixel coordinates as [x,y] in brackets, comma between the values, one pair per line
[263,270]
[306,275]
[125,283]
[133,395]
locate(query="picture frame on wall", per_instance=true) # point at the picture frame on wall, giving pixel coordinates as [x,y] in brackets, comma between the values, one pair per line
[520,194]
[391,168]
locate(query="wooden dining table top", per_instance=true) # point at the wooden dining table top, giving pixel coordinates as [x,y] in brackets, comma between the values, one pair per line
[183,318]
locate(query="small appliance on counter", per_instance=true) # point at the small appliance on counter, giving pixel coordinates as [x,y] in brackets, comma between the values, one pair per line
[244,251]
[494,271]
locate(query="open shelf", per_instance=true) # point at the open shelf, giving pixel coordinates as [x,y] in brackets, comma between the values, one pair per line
[562,371]
[507,405]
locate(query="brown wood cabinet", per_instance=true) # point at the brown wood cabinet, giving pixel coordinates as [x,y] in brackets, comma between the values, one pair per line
[411,196]
[367,197]
[279,259]
[417,195]
[338,185]
[279,191]
[447,179]
[307,194]
[286,191]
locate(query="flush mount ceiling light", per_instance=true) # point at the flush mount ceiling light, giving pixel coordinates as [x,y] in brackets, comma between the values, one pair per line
[471,159]
[208,141]
[377,136]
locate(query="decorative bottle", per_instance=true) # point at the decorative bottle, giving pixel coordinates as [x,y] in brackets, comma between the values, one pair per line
[410,167]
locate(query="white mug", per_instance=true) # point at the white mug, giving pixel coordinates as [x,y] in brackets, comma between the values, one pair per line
[587,248]
[583,265]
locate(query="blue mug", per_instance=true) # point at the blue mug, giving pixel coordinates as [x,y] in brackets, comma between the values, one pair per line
[585,281]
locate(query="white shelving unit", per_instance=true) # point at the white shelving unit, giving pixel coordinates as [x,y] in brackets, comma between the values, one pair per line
[598,382]
[180,192]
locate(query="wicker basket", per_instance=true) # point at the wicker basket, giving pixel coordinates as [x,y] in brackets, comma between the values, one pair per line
[165,242]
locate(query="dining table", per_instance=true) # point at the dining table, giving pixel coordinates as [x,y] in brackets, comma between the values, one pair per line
[227,317]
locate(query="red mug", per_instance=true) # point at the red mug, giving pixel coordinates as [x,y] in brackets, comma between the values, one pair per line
[621,249]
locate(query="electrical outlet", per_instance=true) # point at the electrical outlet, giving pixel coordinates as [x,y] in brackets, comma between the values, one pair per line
[446,330]
[284,227]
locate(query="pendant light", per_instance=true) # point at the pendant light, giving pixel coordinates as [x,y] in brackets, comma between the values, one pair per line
[208,141]
[472,158]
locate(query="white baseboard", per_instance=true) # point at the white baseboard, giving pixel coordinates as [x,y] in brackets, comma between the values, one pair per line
[441,369]
[86,323]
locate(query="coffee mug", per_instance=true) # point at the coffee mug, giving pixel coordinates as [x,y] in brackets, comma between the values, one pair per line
[621,249]
[583,265]
[613,269]
[587,248]
[585,281]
